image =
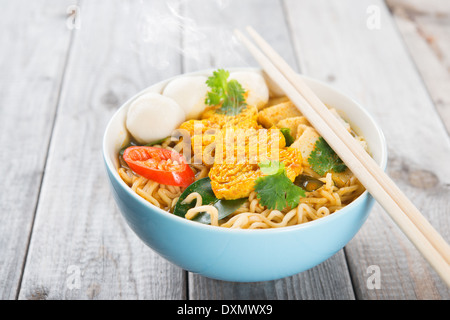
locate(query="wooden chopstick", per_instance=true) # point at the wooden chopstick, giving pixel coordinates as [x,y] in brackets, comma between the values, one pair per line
[420,232]
[406,205]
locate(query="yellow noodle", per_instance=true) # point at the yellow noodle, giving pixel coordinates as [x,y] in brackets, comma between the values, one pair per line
[123,173]
[258,225]
[148,197]
[174,202]
[202,171]
[211,210]
[163,194]
[191,197]
[240,222]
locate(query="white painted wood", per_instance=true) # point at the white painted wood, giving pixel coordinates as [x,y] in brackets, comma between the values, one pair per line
[328,281]
[335,44]
[208,39]
[81,247]
[34,43]
[426,32]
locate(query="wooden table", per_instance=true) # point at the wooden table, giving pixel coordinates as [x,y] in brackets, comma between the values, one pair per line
[67,65]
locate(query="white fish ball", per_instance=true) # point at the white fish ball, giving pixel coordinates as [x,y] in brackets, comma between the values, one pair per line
[190,93]
[152,117]
[255,85]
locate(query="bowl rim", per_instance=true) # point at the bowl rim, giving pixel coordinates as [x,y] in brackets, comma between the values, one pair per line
[311,224]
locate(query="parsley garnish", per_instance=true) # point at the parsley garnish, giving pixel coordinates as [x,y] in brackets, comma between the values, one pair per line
[323,159]
[228,94]
[275,190]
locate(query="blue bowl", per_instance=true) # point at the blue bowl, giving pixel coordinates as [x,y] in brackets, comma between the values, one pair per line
[244,255]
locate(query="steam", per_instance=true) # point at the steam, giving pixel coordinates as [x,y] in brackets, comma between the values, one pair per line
[169,29]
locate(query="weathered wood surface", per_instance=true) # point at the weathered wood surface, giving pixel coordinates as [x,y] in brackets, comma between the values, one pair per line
[81,248]
[34,46]
[425,27]
[68,239]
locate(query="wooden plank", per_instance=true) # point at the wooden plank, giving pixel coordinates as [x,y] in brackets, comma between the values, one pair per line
[425,30]
[81,247]
[208,39]
[208,43]
[339,43]
[328,281]
[34,42]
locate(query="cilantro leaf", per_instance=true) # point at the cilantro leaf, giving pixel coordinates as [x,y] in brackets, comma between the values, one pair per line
[228,94]
[323,159]
[287,136]
[276,190]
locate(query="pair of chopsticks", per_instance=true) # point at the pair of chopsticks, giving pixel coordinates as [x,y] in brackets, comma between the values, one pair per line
[419,231]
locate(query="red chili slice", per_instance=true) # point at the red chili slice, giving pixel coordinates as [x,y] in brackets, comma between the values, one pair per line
[160,165]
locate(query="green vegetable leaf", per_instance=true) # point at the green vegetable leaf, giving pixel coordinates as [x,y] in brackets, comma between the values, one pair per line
[323,159]
[132,143]
[203,187]
[228,94]
[275,190]
[156,142]
[287,136]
